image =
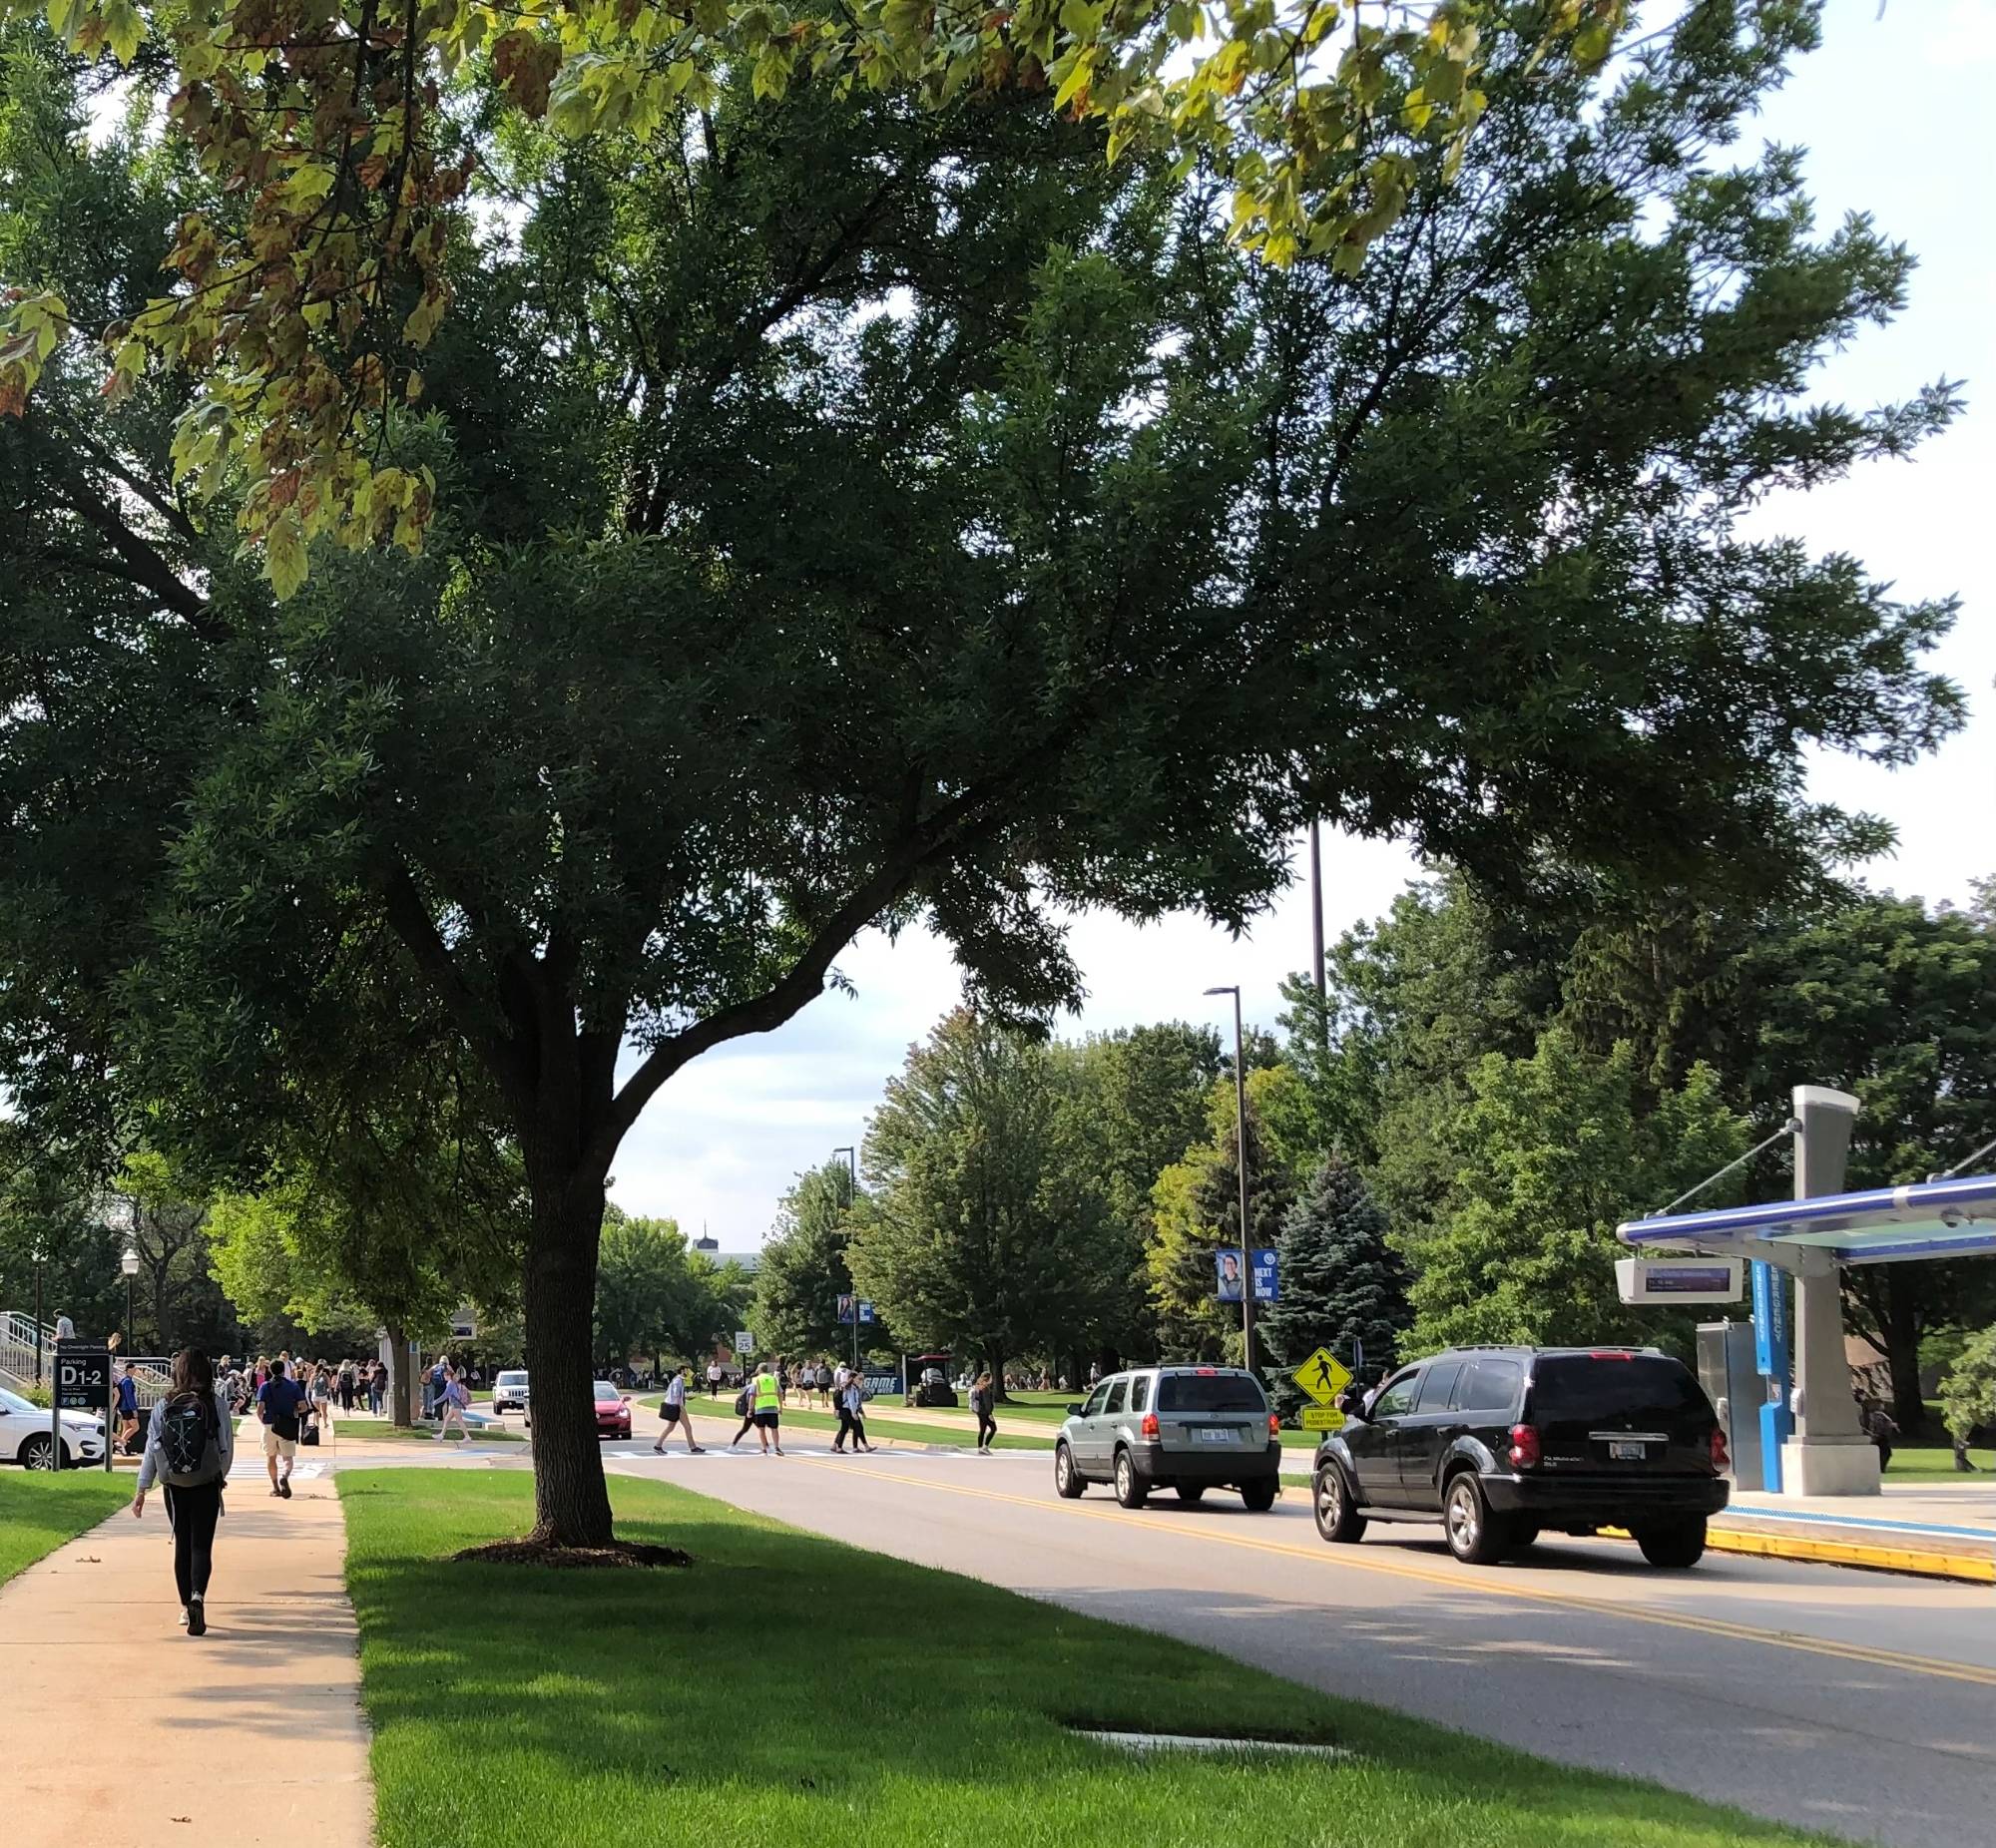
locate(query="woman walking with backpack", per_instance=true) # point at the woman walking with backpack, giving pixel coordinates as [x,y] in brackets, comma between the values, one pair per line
[983,1401]
[189,1446]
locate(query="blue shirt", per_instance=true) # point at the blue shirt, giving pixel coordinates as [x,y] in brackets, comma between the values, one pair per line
[278,1401]
[128,1394]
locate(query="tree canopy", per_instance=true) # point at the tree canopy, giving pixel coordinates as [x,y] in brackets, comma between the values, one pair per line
[342,140]
[860,514]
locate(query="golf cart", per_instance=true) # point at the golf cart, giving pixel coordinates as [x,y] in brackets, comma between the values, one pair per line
[930,1374]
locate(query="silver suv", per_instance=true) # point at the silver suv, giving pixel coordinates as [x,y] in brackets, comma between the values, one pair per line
[1186,1427]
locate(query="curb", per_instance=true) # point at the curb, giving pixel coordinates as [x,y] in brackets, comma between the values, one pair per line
[1969,1567]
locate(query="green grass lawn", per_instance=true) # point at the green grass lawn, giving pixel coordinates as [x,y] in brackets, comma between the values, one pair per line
[39,1509]
[788,1689]
[1935,1463]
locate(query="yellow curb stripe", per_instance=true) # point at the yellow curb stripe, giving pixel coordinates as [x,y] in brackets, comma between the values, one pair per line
[1973,1568]
[1464,1582]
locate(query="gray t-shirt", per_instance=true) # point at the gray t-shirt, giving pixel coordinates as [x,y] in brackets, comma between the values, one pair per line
[675,1391]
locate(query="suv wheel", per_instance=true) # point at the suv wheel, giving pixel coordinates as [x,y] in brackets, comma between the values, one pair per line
[1258,1497]
[1673,1544]
[1129,1489]
[1067,1479]
[1475,1536]
[1337,1520]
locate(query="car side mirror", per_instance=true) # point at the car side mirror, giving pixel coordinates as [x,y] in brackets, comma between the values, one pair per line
[627,1398]
[1074,1410]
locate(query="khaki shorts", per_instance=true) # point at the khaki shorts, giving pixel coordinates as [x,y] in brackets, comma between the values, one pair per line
[275,1446]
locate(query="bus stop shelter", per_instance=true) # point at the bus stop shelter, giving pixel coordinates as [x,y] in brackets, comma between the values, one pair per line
[1811,1238]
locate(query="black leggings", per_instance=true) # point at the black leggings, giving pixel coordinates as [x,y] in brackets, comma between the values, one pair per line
[845,1429]
[987,1428]
[193,1513]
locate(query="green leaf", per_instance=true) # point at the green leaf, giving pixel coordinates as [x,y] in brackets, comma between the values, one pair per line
[284,556]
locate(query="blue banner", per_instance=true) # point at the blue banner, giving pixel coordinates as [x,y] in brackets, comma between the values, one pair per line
[852,1308]
[1228,1279]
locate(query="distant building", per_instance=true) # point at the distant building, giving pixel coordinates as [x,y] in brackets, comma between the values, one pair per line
[710,1249]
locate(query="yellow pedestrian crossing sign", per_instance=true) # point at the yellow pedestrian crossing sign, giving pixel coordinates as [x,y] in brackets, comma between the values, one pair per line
[1324,1376]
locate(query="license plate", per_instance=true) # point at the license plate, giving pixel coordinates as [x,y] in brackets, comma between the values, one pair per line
[1626,1453]
[1210,1436]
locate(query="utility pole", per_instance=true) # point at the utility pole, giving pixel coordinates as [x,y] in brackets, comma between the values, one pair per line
[1317,928]
[1240,1168]
[852,1155]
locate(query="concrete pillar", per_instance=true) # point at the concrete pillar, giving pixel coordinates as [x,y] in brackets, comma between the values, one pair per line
[1828,1454]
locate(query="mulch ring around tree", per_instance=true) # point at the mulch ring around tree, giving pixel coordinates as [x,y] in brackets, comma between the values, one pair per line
[621,1552]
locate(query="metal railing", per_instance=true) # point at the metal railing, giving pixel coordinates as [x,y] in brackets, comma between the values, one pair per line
[18,1351]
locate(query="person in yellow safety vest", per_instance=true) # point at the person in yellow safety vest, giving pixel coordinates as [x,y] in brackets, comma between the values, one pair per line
[767,1407]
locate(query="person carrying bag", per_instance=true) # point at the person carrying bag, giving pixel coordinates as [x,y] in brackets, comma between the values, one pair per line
[188,1445]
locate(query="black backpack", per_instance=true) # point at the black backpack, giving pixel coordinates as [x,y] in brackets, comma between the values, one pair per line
[188,1441]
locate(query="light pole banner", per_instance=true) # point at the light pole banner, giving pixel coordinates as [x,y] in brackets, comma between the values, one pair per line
[1227,1269]
[1265,1287]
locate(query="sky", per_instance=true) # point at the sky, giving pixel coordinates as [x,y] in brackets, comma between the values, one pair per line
[1892,111]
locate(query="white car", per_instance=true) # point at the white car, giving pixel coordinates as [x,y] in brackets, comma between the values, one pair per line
[509,1391]
[24,1434]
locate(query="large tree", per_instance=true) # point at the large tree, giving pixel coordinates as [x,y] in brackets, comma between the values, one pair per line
[1343,1285]
[988,1230]
[863,514]
[1557,1150]
[804,1269]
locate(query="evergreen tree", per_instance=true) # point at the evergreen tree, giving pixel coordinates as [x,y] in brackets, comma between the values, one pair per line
[1341,1281]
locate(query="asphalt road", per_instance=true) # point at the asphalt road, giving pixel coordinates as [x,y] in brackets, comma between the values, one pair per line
[1856,1703]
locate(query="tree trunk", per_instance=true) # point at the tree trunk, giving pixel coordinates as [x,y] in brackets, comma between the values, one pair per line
[401,1413]
[570,1497]
[1902,1354]
[999,1396]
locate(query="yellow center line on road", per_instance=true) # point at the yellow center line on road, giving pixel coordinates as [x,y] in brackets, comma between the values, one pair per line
[1465,1582]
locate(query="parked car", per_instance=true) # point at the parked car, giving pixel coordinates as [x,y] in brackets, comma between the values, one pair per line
[509,1391]
[1188,1429]
[1501,1444]
[24,1434]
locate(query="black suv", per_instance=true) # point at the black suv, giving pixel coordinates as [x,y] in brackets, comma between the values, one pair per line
[1500,1442]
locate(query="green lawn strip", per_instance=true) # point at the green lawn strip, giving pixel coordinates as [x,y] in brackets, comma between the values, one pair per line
[40,1509]
[788,1689]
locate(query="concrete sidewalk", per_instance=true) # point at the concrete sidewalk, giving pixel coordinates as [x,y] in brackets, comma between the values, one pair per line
[125,1733]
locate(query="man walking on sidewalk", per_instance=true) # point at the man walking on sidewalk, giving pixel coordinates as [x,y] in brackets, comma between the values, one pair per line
[277,1401]
[674,1412]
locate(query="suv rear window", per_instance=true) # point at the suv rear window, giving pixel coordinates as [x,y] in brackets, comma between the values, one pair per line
[1210,1392]
[1645,1387]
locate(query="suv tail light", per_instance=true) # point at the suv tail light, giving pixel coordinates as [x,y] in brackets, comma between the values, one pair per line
[1720,1462]
[1148,1428]
[1524,1446]
[1274,1424]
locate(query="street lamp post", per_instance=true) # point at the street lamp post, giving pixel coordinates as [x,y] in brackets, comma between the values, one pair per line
[852,1155]
[129,1263]
[1240,1167]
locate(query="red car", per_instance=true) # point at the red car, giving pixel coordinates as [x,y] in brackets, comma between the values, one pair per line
[613,1411]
